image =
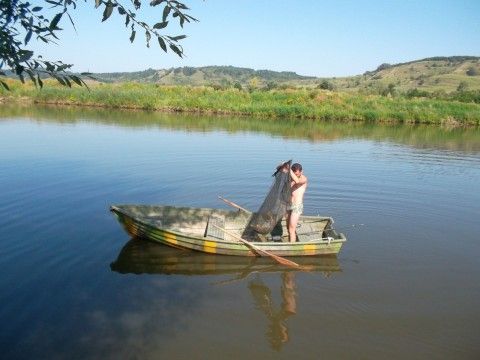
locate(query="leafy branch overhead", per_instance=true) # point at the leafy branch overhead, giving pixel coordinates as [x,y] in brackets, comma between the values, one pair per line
[21,22]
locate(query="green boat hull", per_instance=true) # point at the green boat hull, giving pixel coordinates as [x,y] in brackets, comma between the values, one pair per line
[186,228]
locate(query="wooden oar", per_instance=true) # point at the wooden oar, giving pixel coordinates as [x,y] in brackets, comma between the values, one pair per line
[231,203]
[277,258]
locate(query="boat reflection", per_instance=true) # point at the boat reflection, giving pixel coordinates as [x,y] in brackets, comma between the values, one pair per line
[144,257]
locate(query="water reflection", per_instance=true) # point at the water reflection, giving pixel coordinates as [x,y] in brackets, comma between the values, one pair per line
[277,333]
[418,136]
[144,257]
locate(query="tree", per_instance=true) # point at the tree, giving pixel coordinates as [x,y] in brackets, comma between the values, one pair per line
[21,21]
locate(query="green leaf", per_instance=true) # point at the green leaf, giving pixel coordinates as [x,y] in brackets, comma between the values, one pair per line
[63,67]
[54,22]
[24,55]
[69,84]
[71,21]
[107,12]
[183,6]
[176,50]
[162,44]
[54,3]
[176,38]
[97,3]
[28,37]
[76,79]
[121,11]
[59,79]
[4,84]
[188,18]
[160,25]
[36,8]
[166,11]
[40,82]
[49,66]
[132,37]
[32,76]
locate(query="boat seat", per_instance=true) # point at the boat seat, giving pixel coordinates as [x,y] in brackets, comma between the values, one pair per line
[212,231]
[308,232]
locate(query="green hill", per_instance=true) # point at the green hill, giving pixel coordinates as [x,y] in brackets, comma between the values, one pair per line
[430,74]
[207,75]
[436,74]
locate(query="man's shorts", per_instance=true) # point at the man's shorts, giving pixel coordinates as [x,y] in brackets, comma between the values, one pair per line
[296,208]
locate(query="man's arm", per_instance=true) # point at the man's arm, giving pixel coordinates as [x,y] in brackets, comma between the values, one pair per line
[298,180]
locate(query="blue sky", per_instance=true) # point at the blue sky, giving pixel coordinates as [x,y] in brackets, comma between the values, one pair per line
[318,38]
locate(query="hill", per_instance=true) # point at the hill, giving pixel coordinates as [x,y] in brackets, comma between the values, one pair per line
[430,74]
[207,75]
[436,74]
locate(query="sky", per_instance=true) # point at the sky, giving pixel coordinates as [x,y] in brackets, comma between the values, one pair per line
[310,37]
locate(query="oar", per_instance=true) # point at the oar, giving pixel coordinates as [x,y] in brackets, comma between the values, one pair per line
[277,258]
[231,203]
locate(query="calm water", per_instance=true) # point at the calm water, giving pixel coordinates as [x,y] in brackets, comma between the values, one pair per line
[73,285]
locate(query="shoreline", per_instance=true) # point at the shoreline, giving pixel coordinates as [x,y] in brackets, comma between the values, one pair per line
[309,105]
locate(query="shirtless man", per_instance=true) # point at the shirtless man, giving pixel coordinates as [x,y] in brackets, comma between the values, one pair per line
[299,185]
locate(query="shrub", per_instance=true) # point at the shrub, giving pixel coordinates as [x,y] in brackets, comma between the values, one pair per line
[416,93]
[472,71]
[462,86]
[325,85]
[271,85]
[383,67]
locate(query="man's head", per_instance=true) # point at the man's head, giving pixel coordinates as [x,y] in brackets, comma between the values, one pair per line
[297,169]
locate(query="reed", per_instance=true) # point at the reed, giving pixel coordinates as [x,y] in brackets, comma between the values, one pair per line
[277,103]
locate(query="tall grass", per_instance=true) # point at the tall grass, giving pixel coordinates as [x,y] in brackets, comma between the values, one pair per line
[289,103]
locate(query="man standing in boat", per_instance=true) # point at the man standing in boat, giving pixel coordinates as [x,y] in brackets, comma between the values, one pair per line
[299,186]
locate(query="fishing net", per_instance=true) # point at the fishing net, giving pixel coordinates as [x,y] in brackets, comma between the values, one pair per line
[275,205]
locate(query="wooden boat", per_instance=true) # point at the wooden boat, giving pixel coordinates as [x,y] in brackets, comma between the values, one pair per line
[147,257]
[216,231]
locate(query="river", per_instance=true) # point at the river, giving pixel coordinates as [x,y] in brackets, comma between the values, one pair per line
[74,285]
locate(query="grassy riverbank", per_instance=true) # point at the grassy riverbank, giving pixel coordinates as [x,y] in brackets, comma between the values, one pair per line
[288,103]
